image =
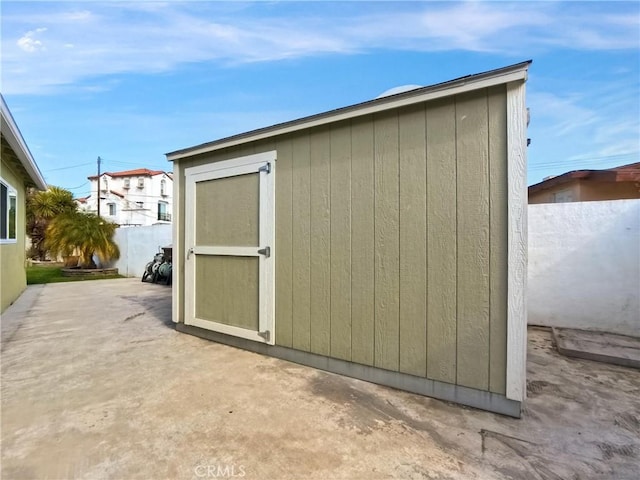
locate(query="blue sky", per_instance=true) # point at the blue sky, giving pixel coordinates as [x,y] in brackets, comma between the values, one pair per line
[130,81]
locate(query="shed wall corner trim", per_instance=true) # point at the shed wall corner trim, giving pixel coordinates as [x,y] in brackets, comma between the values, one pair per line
[517,242]
[176,284]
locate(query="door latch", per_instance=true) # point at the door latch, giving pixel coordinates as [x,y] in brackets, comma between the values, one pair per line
[266,251]
[189,252]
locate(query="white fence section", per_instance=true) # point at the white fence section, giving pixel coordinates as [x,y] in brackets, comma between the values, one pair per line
[138,245]
[584,265]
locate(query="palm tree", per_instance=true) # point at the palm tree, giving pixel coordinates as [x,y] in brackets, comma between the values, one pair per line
[42,207]
[84,233]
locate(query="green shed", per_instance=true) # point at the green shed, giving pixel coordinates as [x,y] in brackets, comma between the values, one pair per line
[384,241]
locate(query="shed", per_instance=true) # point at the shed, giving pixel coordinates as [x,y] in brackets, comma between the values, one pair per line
[384,241]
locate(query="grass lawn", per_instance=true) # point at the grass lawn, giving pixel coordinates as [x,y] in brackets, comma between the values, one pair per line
[53,273]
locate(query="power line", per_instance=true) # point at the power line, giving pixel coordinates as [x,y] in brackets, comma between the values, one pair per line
[75,188]
[577,162]
[67,168]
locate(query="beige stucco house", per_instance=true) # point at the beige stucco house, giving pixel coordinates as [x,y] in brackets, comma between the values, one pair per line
[18,171]
[616,183]
[384,241]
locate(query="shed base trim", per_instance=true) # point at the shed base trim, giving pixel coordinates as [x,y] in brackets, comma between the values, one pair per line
[471,397]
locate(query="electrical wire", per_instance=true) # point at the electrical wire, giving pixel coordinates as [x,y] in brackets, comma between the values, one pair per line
[577,162]
[75,188]
[67,168]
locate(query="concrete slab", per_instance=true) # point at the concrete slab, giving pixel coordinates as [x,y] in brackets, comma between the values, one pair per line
[598,346]
[96,383]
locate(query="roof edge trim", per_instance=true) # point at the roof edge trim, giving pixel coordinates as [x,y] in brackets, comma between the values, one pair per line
[512,73]
[12,133]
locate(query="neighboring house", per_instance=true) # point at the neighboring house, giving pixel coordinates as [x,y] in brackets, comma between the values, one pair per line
[17,173]
[385,241]
[588,185]
[132,197]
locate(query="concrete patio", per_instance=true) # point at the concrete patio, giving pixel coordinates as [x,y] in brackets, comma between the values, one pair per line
[97,384]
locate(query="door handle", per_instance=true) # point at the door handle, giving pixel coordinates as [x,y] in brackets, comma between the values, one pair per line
[189,252]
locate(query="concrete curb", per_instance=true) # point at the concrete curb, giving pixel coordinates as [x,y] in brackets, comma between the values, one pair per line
[18,312]
[600,347]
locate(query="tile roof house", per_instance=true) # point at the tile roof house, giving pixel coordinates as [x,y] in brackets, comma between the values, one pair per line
[131,197]
[617,183]
[18,171]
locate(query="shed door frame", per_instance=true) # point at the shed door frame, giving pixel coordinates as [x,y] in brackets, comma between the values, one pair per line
[264,165]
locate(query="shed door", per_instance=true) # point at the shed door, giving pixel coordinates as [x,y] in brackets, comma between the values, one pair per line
[229,271]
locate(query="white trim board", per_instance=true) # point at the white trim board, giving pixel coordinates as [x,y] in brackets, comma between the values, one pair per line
[177,250]
[234,163]
[517,241]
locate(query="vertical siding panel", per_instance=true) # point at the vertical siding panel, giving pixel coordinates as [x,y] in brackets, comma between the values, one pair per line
[320,241]
[386,242]
[441,241]
[341,242]
[498,214]
[284,316]
[301,239]
[362,240]
[473,241]
[413,242]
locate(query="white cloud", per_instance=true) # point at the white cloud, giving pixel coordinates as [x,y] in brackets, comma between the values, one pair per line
[107,40]
[29,43]
[596,128]
[561,114]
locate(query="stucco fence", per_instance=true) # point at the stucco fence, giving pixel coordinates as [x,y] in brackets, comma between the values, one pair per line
[584,265]
[138,245]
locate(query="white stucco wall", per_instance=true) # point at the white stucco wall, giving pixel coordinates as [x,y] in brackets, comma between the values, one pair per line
[584,265]
[138,245]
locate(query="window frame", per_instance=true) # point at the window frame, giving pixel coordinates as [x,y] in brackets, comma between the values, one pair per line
[163,214]
[5,217]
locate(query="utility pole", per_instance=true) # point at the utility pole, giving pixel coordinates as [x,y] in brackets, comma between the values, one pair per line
[99,160]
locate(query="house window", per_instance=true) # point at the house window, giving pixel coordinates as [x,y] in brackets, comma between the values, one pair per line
[163,187]
[105,184]
[127,183]
[563,196]
[112,209]
[162,212]
[8,205]
[140,182]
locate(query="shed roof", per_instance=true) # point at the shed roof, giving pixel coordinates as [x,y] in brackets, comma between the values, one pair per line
[467,83]
[623,173]
[18,150]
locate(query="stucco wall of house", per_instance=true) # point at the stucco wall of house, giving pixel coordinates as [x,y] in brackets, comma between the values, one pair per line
[587,191]
[138,245]
[133,204]
[584,265]
[571,188]
[12,254]
[593,191]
